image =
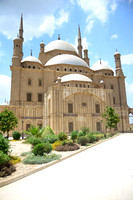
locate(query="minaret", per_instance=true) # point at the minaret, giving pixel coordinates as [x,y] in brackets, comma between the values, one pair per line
[118,68]
[18,46]
[86,59]
[79,43]
[21,29]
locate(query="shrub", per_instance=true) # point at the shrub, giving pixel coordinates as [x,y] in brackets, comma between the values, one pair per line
[108,134]
[74,135]
[56,144]
[34,140]
[69,142]
[85,130]
[42,148]
[16,135]
[32,159]
[62,136]
[80,134]
[67,147]
[4,144]
[47,131]
[4,158]
[83,140]
[6,167]
[50,138]
[91,138]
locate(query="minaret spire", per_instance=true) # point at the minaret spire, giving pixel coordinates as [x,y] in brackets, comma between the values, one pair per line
[21,29]
[79,42]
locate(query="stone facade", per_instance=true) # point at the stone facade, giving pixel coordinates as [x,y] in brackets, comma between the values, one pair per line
[60,89]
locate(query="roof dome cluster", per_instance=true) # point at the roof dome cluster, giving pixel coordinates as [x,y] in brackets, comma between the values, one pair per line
[66,59]
[31,59]
[60,45]
[75,77]
[101,65]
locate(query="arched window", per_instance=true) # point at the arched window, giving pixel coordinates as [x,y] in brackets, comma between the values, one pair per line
[70,108]
[98,125]
[113,100]
[80,70]
[65,69]
[112,87]
[28,126]
[70,70]
[33,67]
[97,108]
[29,66]
[40,82]
[29,81]
[70,127]
[75,70]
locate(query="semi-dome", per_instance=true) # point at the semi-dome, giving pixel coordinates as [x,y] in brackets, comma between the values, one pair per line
[100,66]
[75,77]
[31,59]
[60,45]
[66,59]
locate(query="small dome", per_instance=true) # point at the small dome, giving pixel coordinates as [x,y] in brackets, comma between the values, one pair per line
[117,53]
[75,77]
[100,65]
[31,59]
[60,45]
[17,38]
[67,59]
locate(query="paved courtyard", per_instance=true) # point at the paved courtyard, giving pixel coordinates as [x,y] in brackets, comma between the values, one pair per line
[103,172]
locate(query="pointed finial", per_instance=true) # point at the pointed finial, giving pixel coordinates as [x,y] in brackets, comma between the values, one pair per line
[79,34]
[58,36]
[100,61]
[21,28]
[31,52]
[116,50]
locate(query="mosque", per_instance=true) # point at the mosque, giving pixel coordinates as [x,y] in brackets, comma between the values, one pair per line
[60,90]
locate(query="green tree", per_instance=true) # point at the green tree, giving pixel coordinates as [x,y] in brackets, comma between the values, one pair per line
[8,121]
[111,118]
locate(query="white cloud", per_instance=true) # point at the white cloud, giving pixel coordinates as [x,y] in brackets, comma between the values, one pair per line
[97,10]
[39,17]
[114,36]
[89,26]
[5,87]
[129,88]
[127,59]
[113,6]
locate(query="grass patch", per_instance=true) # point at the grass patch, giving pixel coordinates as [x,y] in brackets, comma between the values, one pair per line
[32,159]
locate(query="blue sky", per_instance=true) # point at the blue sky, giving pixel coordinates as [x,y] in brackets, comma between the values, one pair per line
[105,25]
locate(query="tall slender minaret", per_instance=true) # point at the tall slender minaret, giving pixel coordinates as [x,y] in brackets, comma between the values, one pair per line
[118,68]
[18,46]
[21,29]
[79,42]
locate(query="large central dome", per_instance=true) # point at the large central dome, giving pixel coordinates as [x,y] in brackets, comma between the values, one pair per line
[67,59]
[60,45]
